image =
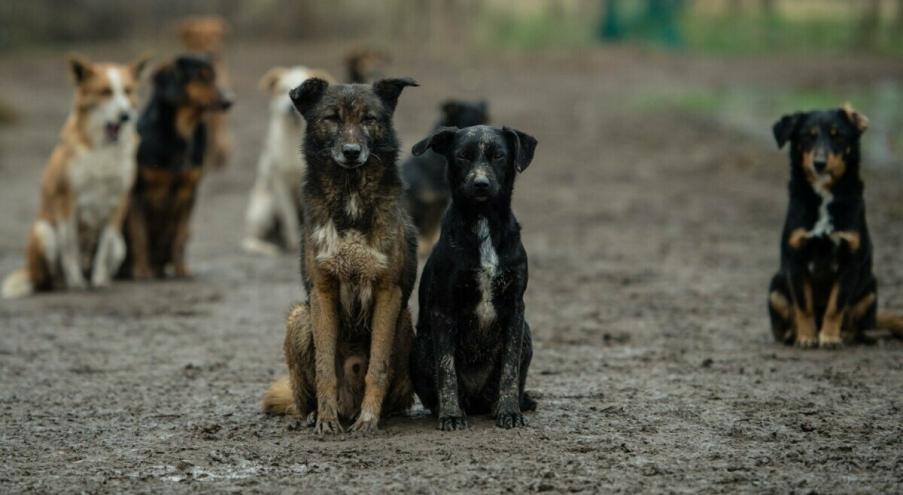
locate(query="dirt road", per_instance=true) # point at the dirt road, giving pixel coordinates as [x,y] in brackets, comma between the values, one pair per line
[652,233]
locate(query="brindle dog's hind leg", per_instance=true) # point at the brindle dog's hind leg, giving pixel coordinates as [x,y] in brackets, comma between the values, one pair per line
[780,309]
[299,356]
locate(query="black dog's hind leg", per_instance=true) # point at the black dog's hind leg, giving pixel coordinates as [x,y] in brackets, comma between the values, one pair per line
[780,309]
[511,383]
[451,416]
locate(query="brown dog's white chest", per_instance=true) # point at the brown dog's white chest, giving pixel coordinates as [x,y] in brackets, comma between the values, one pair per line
[348,255]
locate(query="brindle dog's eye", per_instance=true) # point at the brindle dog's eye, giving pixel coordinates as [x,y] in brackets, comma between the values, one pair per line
[331,118]
[368,119]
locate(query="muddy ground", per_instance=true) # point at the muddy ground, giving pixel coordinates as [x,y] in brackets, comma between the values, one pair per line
[652,234]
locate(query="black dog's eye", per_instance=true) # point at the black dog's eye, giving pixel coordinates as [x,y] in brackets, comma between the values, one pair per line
[498,155]
[462,158]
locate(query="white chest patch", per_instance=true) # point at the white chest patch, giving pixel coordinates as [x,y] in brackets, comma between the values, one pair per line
[99,177]
[352,207]
[825,224]
[349,255]
[489,263]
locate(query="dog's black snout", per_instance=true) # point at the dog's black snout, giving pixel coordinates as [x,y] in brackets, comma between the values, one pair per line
[351,151]
[124,117]
[481,183]
[820,166]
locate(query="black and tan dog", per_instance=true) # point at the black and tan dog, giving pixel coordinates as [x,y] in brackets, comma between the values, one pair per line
[825,292]
[348,346]
[473,344]
[426,189]
[170,159]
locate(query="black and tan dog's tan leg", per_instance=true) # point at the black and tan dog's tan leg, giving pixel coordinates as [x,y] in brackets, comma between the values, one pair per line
[386,309]
[804,316]
[829,334]
[324,310]
[507,411]
[780,310]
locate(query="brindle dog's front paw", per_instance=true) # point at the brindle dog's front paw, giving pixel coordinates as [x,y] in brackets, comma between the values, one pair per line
[511,419]
[452,423]
[366,423]
[806,342]
[829,342]
[328,426]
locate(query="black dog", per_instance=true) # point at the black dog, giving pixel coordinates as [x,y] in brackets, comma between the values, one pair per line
[170,159]
[473,345]
[426,190]
[825,292]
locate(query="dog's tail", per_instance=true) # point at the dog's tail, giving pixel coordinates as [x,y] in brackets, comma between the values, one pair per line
[278,399]
[892,322]
[17,284]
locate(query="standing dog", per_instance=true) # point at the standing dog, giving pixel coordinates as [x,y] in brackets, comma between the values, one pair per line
[274,210]
[426,190]
[824,292]
[205,35]
[473,345]
[170,159]
[348,346]
[84,189]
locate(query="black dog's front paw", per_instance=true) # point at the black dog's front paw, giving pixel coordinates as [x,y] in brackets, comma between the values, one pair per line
[510,419]
[452,423]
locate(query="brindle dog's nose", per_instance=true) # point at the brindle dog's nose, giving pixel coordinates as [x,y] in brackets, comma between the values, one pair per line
[351,152]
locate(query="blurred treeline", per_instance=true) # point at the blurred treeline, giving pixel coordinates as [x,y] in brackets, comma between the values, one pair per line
[713,25]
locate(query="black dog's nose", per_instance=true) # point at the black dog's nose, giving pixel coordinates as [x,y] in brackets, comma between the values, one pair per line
[820,166]
[351,151]
[481,183]
[124,117]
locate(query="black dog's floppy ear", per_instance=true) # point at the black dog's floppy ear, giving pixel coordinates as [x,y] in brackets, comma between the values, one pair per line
[522,146]
[439,141]
[861,122]
[784,128]
[305,96]
[388,90]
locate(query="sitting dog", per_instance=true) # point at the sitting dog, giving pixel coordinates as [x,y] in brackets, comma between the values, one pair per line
[426,190]
[824,293]
[366,65]
[473,346]
[84,190]
[170,159]
[347,347]
[204,35]
[274,210]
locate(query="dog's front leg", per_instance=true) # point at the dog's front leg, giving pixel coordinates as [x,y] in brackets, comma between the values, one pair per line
[386,307]
[324,309]
[451,416]
[111,248]
[67,232]
[803,312]
[138,241]
[507,410]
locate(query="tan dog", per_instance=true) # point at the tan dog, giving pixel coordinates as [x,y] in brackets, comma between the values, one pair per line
[205,35]
[274,208]
[84,189]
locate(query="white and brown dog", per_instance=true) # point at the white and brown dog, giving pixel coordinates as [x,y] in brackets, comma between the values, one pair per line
[274,210]
[77,236]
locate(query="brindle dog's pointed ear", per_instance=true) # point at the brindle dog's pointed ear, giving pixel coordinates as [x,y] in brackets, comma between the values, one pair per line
[439,141]
[784,128]
[305,96]
[388,90]
[80,67]
[861,122]
[522,145]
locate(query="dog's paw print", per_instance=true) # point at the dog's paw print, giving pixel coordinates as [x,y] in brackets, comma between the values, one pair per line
[453,423]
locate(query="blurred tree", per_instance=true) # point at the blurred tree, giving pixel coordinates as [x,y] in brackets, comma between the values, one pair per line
[611,27]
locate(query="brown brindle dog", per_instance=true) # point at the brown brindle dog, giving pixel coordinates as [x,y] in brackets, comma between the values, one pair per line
[205,35]
[170,158]
[347,347]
